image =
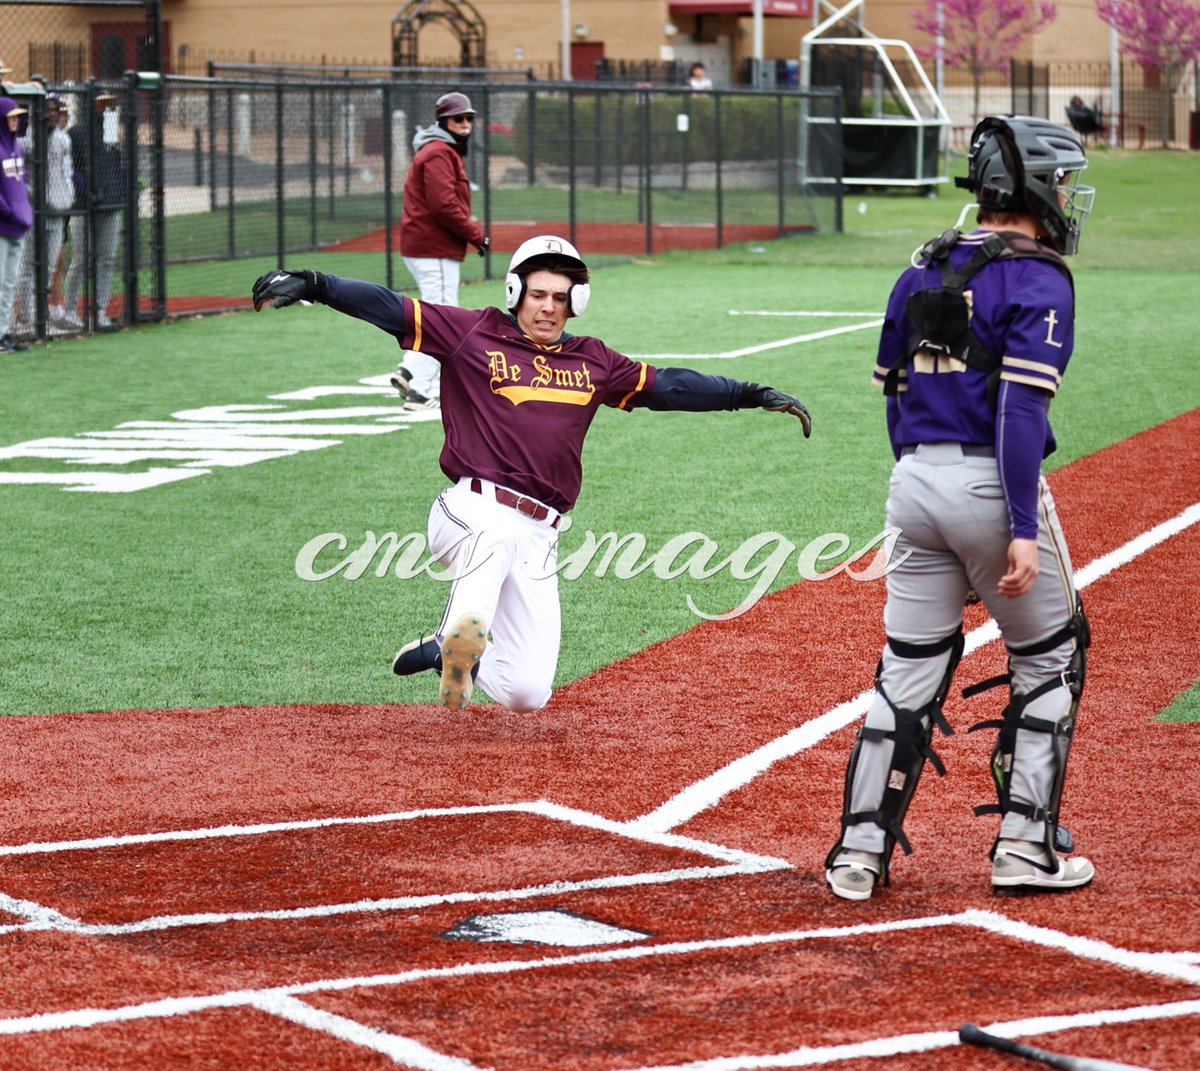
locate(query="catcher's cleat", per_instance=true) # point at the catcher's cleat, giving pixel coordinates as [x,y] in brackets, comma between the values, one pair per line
[401,379]
[417,657]
[461,650]
[1017,870]
[854,874]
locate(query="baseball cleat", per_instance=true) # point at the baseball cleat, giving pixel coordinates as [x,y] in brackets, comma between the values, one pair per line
[400,379]
[461,650]
[417,402]
[416,657]
[1015,871]
[854,874]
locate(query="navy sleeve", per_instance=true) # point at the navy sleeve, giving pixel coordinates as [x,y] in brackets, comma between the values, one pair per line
[682,390]
[1022,431]
[367,301]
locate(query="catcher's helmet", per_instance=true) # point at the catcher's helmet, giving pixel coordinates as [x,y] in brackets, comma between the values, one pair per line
[1019,163]
[549,252]
[449,104]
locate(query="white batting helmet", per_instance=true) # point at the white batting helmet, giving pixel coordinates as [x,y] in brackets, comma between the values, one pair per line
[557,253]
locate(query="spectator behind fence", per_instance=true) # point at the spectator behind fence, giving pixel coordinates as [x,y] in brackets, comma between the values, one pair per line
[16,214]
[699,79]
[101,190]
[435,229]
[60,196]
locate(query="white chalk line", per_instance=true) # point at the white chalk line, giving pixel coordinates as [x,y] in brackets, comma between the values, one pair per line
[39,917]
[902,1044]
[705,794]
[43,919]
[746,351]
[543,808]
[278,999]
[406,1051]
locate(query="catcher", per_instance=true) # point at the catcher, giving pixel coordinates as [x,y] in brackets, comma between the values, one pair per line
[518,396]
[974,346]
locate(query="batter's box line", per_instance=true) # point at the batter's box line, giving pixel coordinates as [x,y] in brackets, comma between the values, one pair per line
[1159,964]
[544,808]
[42,918]
[905,1044]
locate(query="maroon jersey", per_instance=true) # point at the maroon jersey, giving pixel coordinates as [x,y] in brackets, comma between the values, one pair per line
[514,412]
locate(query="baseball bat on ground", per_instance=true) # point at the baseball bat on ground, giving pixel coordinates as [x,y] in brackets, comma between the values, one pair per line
[972,1035]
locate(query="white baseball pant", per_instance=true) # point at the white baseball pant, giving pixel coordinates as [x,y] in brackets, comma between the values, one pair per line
[504,567]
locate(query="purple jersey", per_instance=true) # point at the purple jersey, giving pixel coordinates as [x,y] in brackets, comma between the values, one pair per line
[1023,312]
[514,412]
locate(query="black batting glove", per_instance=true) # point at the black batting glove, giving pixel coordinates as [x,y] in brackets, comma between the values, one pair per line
[282,287]
[755,396]
[484,246]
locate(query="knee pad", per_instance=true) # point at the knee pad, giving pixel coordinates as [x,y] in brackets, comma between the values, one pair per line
[912,746]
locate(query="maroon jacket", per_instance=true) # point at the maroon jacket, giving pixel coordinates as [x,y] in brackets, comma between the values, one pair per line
[436,221]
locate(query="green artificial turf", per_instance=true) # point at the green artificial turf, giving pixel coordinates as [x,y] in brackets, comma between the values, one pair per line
[187,594]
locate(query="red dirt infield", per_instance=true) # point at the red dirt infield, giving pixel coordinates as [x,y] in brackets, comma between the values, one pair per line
[276,887]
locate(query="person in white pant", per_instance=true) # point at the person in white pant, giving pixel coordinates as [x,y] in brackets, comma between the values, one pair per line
[60,196]
[102,188]
[435,229]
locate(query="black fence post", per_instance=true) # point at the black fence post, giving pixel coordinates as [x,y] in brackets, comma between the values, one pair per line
[719,153]
[530,128]
[41,282]
[158,167]
[229,175]
[487,178]
[386,107]
[647,170]
[312,164]
[132,226]
[572,135]
[280,204]
[779,172]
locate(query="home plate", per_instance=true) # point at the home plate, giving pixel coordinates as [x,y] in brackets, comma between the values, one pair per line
[541,928]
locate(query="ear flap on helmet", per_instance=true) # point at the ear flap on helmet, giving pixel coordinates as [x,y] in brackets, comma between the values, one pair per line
[514,290]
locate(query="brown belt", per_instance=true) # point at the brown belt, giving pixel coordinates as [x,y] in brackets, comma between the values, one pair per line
[530,507]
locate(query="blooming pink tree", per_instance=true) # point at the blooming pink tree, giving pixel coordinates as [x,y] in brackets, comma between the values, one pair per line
[980,35]
[1160,35]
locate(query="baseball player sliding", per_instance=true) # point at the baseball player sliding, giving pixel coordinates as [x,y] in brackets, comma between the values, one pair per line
[518,396]
[974,346]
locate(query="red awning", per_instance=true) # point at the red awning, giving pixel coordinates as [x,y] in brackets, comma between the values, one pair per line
[793,8]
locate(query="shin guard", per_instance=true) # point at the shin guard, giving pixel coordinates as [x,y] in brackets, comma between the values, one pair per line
[912,740]
[1061,731]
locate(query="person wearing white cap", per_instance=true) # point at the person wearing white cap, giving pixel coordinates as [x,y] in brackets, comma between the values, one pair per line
[16,213]
[60,196]
[435,229]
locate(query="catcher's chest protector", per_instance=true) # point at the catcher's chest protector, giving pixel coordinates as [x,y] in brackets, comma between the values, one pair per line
[941,316]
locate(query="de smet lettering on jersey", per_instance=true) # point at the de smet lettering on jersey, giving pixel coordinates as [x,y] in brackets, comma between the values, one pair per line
[539,381]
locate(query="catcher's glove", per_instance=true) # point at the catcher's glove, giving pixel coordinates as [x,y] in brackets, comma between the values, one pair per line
[755,396]
[281,287]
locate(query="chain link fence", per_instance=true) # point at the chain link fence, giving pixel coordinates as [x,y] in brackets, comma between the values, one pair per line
[223,179]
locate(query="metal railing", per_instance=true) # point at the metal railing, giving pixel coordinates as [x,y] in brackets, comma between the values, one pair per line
[227,178]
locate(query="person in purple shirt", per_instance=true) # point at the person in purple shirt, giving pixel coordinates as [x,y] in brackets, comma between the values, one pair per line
[518,397]
[16,214]
[973,349]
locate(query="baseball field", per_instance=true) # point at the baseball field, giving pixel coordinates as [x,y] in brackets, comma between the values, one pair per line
[231,838]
